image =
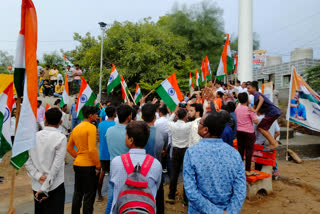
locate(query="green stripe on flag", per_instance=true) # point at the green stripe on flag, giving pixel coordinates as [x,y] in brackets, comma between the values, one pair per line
[61,103]
[18,79]
[138,98]
[4,145]
[229,64]
[90,102]
[113,84]
[166,98]
[19,160]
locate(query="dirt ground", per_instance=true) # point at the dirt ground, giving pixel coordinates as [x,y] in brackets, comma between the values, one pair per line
[296,192]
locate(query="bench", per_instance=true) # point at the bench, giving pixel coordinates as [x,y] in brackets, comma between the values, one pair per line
[263,181]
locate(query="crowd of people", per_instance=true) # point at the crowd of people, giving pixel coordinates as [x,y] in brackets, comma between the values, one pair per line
[51,81]
[149,140]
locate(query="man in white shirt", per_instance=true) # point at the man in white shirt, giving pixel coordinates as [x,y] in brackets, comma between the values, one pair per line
[219,88]
[195,113]
[180,141]
[46,165]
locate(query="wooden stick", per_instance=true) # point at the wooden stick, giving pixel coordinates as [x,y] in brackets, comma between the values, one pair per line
[13,175]
[287,156]
[206,82]
[132,97]
[149,93]
[215,80]
[227,77]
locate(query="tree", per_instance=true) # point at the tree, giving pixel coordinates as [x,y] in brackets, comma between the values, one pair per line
[312,76]
[202,25]
[5,61]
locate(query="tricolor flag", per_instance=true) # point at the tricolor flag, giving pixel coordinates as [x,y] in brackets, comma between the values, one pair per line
[67,62]
[169,92]
[6,103]
[114,80]
[203,70]
[197,78]
[137,94]
[125,90]
[226,62]
[191,87]
[235,62]
[47,107]
[208,69]
[86,98]
[65,93]
[26,57]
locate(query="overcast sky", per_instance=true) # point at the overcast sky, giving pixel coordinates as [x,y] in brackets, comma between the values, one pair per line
[281,24]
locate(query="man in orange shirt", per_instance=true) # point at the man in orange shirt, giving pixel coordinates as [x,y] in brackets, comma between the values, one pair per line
[86,164]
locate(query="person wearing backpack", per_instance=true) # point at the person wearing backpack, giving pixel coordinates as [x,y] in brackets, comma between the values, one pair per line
[134,185]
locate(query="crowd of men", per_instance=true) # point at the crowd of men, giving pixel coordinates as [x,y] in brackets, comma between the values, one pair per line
[197,138]
[51,80]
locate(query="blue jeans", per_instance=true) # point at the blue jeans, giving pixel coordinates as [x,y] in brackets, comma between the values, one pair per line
[74,122]
[57,95]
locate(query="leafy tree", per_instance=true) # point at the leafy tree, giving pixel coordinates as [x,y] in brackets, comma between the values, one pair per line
[202,25]
[312,76]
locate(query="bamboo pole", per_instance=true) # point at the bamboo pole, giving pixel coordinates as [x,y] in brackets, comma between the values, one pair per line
[149,93]
[287,156]
[132,97]
[125,91]
[13,175]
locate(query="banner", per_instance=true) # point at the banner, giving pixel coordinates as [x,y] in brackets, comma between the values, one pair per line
[259,59]
[267,90]
[304,103]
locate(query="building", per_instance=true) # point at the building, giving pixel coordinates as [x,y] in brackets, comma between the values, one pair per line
[280,73]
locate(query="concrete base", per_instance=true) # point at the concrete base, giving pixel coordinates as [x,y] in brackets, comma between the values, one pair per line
[260,185]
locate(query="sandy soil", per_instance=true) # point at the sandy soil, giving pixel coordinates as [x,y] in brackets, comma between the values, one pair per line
[296,192]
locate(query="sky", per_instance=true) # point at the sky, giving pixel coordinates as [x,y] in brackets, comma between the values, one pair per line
[282,25]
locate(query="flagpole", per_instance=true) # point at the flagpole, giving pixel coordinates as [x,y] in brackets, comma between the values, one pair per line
[131,97]
[149,93]
[13,175]
[287,158]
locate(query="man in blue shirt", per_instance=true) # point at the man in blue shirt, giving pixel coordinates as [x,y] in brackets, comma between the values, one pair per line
[213,172]
[297,110]
[103,146]
[73,115]
[154,147]
[116,139]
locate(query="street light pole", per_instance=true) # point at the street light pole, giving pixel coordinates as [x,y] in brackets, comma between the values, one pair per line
[103,27]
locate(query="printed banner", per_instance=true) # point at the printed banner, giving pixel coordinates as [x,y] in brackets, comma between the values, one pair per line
[267,90]
[304,103]
[259,59]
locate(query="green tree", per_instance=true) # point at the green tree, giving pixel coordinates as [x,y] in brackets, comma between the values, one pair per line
[312,76]
[202,25]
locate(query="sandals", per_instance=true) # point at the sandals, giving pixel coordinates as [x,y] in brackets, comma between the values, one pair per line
[252,174]
[267,149]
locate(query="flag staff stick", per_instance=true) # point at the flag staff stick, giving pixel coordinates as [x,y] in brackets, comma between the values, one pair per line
[149,93]
[13,175]
[287,158]
[132,97]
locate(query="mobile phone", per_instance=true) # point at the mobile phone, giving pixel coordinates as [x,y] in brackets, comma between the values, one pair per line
[40,196]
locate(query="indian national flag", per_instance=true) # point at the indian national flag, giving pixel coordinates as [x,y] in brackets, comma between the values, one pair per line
[137,94]
[209,73]
[67,62]
[203,70]
[125,90]
[114,80]
[65,93]
[169,92]
[235,62]
[197,78]
[6,103]
[86,98]
[226,62]
[47,107]
[26,57]
[191,87]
